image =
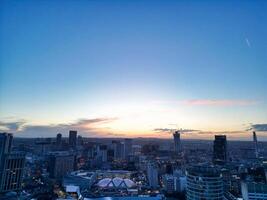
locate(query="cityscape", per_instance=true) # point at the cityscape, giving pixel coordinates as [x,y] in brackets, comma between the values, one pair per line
[75,167]
[133,100]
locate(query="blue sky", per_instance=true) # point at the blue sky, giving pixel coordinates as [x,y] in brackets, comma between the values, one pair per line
[63,61]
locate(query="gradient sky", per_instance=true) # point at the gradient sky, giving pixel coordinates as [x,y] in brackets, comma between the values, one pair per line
[126,68]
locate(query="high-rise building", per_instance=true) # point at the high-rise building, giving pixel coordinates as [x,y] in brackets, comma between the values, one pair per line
[152,175]
[220,150]
[204,182]
[72,138]
[5,143]
[59,139]
[12,172]
[118,148]
[128,143]
[60,163]
[255,141]
[11,165]
[102,152]
[177,142]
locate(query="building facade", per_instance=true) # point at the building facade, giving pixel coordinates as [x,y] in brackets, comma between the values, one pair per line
[204,182]
[220,149]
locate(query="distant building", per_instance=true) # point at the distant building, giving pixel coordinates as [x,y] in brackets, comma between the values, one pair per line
[152,175]
[60,163]
[255,141]
[220,149]
[204,182]
[79,140]
[102,152]
[177,142]
[72,138]
[128,143]
[11,165]
[59,139]
[118,148]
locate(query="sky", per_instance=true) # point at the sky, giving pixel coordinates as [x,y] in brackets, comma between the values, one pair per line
[133,68]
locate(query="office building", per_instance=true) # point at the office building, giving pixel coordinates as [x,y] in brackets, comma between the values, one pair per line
[12,171]
[177,142]
[220,150]
[152,175]
[72,138]
[60,163]
[204,182]
[118,148]
[102,152]
[11,165]
[128,143]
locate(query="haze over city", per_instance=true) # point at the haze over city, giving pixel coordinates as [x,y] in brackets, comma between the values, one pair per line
[134,68]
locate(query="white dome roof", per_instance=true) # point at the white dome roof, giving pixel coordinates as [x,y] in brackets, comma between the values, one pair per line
[115,183]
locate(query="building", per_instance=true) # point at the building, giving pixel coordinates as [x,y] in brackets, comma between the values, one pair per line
[60,163]
[118,148]
[220,150]
[12,172]
[169,183]
[128,149]
[72,138]
[255,141]
[11,165]
[177,142]
[204,182]
[59,139]
[253,190]
[81,178]
[152,175]
[102,152]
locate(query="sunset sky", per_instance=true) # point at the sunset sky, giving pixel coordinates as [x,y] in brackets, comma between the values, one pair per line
[133,68]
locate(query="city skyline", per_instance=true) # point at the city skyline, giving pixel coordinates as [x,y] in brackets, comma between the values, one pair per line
[134,69]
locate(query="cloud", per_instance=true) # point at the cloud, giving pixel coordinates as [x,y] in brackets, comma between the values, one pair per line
[258,127]
[88,127]
[247,42]
[169,130]
[11,126]
[220,102]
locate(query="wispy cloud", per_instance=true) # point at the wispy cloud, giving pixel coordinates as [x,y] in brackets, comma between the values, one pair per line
[258,127]
[11,125]
[219,102]
[88,127]
[170,130]
[247,42]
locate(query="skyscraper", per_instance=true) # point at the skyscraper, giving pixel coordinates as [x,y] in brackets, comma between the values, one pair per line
[152,175]
[59,139]
[72,138]
[204,182]
[177,142]
[60,163]
[128,143]
[255,141]
[220,150]
[11,165]
[118,148]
